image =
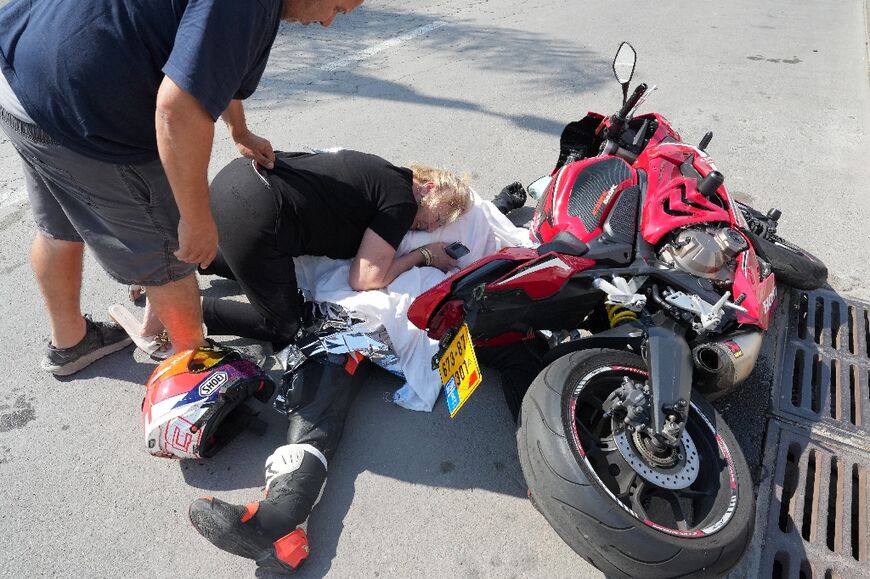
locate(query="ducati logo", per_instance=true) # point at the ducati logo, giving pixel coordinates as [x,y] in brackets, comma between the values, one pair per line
[217,380]
[603,200]
[768,301]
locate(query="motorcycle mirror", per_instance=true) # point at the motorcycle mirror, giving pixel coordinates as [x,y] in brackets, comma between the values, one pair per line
[539,187]
[623,66]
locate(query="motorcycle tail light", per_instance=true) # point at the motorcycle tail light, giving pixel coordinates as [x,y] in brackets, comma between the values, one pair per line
[450,315]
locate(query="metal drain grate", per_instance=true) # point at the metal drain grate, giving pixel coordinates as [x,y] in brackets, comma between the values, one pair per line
[817,524]
[825,364]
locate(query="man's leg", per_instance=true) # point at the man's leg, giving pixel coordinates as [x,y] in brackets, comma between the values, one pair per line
[56,257]
[76,341]
[151,324]
[177,305]
[57,266]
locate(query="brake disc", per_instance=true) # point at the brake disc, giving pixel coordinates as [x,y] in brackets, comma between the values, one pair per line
[679,476]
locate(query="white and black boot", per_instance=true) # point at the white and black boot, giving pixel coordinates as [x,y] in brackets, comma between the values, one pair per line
[271,531]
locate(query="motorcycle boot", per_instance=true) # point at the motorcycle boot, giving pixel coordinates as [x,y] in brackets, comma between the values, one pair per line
[271,531]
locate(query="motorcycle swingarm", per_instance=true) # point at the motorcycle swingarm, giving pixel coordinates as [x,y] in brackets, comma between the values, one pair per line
[627,336]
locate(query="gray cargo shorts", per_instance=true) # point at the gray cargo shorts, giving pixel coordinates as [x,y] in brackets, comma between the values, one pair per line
[125,214]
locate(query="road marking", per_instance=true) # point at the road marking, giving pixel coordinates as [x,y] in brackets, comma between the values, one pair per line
[386,45]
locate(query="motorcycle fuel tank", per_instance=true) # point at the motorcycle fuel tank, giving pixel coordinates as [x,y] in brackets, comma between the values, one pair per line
[580,198]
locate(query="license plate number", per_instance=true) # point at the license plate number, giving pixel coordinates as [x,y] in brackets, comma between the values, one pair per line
[459,371]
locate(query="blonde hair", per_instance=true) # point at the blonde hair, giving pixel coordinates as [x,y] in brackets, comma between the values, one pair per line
[451,192]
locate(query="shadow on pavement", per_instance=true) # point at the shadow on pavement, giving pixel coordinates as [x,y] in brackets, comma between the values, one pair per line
[296,69]
[476,450]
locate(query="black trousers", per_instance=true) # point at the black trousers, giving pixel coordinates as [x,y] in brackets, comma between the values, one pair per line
[329,388]
[257,246]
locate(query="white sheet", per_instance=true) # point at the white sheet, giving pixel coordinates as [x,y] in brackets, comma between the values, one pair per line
[484,230]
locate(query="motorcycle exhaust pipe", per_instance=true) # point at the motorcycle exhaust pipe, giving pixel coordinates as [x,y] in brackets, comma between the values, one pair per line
[724,364]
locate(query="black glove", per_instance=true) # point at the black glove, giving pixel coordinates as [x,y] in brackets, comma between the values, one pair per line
[511,197]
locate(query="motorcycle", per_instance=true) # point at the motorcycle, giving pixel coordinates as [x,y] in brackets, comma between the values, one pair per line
[666,284]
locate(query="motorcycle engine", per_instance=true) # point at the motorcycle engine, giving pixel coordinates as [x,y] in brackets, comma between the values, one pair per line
[706,252]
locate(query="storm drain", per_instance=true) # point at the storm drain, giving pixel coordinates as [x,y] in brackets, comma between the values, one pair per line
[818,443]
[817,523]
[825,365]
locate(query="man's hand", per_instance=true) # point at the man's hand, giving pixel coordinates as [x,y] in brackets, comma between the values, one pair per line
[185,131]
[197,240]
[256,148]
[249,145]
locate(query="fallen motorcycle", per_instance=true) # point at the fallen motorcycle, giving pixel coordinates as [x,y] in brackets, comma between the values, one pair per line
[670,284]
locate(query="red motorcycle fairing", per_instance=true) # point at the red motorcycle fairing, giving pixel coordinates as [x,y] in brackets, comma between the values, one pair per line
[665,131]
[524,279]
[580,197]
[543,277]
[426,304]
[673,200]
[760,295]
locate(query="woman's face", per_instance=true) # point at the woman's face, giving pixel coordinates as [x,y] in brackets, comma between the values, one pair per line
[430,215]
[428,218]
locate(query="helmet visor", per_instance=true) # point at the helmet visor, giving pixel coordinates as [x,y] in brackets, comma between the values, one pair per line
[205,358]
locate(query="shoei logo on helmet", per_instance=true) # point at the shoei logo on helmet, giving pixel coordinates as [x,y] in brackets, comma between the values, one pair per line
[217,380]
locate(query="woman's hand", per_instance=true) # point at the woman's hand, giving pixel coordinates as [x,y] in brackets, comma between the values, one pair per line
[440,259]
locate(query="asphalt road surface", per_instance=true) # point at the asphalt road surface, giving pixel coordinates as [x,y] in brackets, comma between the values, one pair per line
[481,86]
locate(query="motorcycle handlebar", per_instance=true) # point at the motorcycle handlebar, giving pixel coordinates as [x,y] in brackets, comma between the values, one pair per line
[632,100]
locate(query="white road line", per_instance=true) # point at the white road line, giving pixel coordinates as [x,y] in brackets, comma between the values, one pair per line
[387,44]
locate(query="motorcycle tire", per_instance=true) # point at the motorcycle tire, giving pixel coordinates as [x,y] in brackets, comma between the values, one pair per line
[791,264]
[575,486]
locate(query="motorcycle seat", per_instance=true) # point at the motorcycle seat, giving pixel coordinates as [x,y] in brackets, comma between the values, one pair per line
[564,242]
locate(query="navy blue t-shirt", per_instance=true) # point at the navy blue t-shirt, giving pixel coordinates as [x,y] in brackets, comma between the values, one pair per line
[87,71]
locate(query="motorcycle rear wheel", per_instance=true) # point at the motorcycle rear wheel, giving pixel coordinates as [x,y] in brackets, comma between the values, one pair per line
[792,265]
[613,517]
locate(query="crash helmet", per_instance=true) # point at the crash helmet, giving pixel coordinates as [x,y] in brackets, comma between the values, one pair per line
[198,400]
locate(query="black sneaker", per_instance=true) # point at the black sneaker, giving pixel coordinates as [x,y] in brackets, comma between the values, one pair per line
[101,339]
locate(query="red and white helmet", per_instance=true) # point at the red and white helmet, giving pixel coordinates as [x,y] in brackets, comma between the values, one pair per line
[197,401]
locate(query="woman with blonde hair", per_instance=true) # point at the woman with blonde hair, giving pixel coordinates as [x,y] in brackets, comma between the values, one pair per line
[344,204]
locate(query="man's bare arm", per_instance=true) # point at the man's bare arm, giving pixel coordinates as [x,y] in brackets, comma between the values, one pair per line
[185,132]
[249,145]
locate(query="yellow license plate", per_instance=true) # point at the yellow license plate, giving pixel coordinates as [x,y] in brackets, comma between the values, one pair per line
[459,371]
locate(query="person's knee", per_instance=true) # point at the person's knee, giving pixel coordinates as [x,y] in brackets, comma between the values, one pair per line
[281,331]
[59,246]
[185,287]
